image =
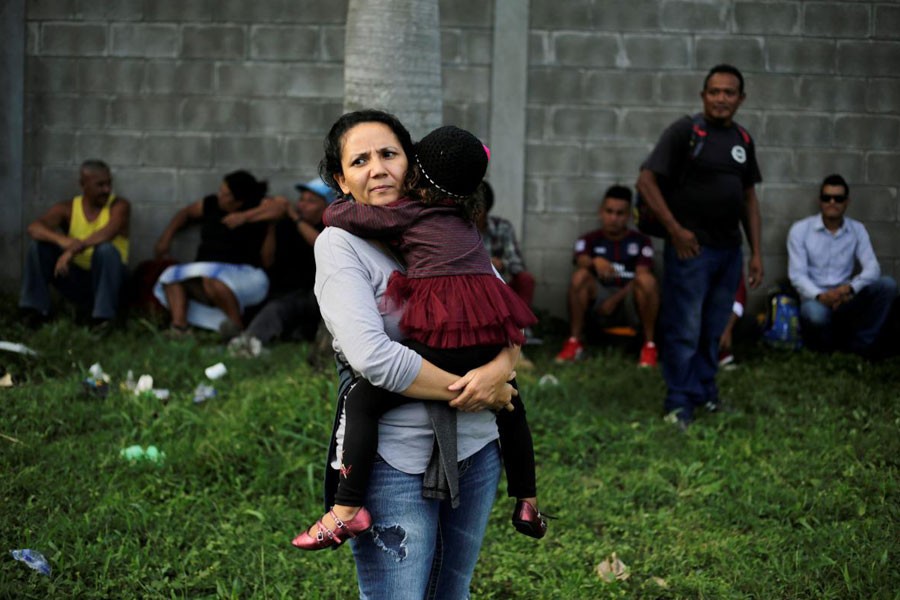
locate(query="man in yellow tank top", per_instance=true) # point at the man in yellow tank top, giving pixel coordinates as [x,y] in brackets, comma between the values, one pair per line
[81,247]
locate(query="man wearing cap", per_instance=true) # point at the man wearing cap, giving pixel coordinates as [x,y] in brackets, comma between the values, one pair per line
[838,310]
[291,309]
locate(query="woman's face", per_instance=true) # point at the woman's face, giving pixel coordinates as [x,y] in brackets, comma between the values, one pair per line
[227,201]
[373,164]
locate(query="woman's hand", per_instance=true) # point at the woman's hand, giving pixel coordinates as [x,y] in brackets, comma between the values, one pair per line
[484,388]
[487,387]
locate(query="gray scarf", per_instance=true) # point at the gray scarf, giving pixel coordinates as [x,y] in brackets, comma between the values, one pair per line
[441,479]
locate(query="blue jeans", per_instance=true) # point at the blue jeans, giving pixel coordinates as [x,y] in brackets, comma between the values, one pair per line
[698,294]
[97,290]
[421,548]
[854,325]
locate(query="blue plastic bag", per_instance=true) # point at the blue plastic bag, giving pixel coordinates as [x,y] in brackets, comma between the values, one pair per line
[33,559]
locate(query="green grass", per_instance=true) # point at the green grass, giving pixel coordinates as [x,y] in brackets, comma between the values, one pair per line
[793,495]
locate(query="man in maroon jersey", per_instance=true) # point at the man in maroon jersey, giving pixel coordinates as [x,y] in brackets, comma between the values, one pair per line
[614,279]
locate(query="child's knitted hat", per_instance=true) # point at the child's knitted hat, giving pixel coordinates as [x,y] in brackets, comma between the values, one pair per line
[453,160]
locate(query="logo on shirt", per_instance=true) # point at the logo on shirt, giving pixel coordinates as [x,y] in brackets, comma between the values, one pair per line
[647,251]
[579,246]
[739,154]
[599,249]
[632,249]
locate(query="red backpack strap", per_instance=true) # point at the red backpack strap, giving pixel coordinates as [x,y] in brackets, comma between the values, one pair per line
[744,135]
[698,135]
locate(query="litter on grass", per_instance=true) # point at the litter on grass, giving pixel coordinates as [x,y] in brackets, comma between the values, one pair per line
[97,383]
[33,559]
[17,348]
[613,569]
[204,392]
[548,379]
[6,381]
[215,371]
[134,454]
[144,387]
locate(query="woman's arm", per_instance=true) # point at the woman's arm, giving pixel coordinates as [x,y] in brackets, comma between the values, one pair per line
[486,387]
[182,217]
[348,271]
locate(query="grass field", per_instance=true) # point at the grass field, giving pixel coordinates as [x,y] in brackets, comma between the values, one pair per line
[795,494]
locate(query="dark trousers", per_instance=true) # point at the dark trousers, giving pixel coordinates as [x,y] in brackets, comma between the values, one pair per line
[698,294]
[283,316]
[365,404]
[854,325]
[97,290]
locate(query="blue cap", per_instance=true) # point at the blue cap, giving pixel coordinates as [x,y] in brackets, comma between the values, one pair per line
[318,187]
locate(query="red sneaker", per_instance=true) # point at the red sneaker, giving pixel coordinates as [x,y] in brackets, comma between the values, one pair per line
[648,355]
[571,351]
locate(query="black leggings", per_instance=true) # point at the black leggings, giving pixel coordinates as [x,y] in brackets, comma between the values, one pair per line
[365,404]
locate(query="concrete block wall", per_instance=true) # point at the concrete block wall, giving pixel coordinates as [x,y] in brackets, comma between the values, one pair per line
[174,94]
[607,76]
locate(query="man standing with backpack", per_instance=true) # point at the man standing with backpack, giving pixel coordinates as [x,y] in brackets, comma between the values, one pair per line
[698,183]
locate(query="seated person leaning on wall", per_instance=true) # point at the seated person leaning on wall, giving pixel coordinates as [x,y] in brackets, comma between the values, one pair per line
[225,277]
[81,247]
[613,281]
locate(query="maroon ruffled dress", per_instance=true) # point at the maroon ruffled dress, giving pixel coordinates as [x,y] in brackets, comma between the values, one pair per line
[452,297]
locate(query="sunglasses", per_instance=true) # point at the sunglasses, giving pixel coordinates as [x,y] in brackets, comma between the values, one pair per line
[839,198]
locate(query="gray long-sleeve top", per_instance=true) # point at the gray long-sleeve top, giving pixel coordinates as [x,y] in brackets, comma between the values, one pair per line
[351,277]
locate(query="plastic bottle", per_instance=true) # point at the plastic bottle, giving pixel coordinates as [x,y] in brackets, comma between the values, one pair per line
[33,559]
[204,392]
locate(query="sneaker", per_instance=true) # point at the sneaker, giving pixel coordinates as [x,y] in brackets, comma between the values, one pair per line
[648,355]
[726,360]
[571,351]
[718,406]
[678,419]
[245,346]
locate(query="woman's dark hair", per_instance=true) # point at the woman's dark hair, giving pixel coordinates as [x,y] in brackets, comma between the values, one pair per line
[330,165]
[246,189]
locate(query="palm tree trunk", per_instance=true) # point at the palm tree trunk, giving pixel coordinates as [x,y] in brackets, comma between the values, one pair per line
[393,60]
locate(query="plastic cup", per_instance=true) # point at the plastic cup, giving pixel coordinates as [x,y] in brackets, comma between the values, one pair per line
[215,371]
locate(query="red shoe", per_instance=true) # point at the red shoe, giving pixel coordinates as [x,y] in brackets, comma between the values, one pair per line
[529,520]
[726,360]
[648,355]
[571,351]
[326,538]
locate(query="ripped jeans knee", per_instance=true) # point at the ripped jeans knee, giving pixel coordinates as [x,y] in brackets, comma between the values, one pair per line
[391,539]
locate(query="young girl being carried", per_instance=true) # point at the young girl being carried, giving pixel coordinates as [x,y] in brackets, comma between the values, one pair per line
[457,314]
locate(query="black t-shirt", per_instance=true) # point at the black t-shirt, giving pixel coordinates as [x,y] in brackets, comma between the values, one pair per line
[706,194]
[294,267]
[218,243]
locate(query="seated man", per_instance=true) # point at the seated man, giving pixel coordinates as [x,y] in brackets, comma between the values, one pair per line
[837,309]
[614,279]
[500,241]
[81,247]
[291,308]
